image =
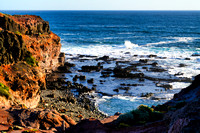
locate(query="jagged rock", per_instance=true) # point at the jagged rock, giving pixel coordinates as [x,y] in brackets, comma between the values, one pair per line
[69,64]
[151,56]
[157,69]
[88,125]
[182,65]
[143,60]
[124,88]
[164,85]
[10,42]
[91,81]
[147,95]
[82,77]
[25,24]
[126,73]
[91,68]
[25,83]
[35,118]
[64,69]
[154,64]
[105,58]
[27,49]
[116,90]
[31,33]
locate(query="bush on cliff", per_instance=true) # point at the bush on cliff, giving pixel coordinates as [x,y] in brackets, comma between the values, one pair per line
[31,60]
[4,91]
[141,115]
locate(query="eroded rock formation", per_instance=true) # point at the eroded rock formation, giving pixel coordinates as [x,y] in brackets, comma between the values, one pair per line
[28,49]
[20,34]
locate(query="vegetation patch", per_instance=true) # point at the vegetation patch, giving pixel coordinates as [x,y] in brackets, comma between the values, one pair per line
[19,33]
[4,91]
[140,116]
[31,60]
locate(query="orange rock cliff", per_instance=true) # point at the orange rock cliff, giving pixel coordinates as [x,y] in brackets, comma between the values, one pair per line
[28,49]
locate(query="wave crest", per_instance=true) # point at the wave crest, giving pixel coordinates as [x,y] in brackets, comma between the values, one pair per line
[176,40]
[130,45]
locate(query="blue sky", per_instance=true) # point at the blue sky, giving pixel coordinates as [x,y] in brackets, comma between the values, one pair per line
[100,5]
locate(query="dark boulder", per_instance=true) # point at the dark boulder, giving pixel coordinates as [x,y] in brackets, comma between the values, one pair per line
[69,64]
[126,73]
[105,58]
[91,81]
[143,60]
[157,69]
[91,68]
[64,69]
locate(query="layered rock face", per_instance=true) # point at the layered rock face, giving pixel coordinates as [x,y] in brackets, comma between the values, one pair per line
[25,83]
[22,33]
[12,47]
[28,49]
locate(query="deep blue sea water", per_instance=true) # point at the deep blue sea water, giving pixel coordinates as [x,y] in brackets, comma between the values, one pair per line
[171,34]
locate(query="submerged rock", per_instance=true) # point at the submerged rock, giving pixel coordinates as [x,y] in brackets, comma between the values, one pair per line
[157,69]
[126,73]
[82,77]
[91,68]
[164,85]
[91,81]
[105,58]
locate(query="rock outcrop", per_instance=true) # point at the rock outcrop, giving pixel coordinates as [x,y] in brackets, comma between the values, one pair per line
[28,49]
[181,115]
[37,119]
[186,106]
[24,34]
[24,82]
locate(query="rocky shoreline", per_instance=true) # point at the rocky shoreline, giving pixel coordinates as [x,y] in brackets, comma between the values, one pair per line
[31,99]
[40,92]
[57,97]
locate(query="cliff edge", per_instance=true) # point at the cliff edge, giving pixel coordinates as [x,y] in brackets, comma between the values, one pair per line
[28,49]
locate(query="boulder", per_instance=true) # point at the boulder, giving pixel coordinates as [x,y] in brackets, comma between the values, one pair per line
[91,68]
[35,118]
[126,73]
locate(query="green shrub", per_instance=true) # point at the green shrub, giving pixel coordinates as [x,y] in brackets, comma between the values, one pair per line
[19,33]
[141,115]
[4,91]
[126,118]
[31,60]
[121,125]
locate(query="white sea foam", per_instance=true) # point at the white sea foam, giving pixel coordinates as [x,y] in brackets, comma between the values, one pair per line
[125,33]
[68,34]
[184,39]
[174,40]
[130,45]
[179,85]
[174,56]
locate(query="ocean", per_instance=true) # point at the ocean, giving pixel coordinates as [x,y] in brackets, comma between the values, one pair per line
[128,37]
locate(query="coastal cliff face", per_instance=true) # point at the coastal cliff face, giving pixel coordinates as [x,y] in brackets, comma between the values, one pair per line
[28,49]
[20,34]
[24,82]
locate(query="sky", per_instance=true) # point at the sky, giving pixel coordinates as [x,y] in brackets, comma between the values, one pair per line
[99,4]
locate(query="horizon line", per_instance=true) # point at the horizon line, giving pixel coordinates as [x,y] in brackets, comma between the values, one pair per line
[93,10]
